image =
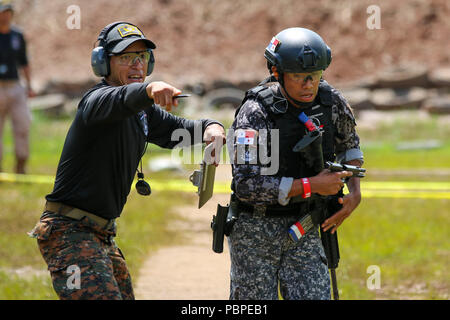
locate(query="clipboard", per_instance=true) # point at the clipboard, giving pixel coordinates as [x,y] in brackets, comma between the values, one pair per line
[204,178]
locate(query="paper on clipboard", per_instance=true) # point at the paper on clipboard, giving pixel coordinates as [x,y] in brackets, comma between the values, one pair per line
[204,178]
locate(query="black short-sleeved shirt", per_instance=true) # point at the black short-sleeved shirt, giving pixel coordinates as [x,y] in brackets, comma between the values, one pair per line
[105,143]
[13,53]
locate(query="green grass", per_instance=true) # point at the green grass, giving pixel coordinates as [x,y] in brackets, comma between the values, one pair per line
[380,144]
[142,227]
[20,210]
[386,156]
[46,142]
[13,287]
[406,238]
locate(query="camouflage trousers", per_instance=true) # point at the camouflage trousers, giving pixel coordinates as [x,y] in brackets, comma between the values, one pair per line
[83,259]
[265,259]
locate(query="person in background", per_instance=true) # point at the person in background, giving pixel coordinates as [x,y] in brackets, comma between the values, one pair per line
[13,96]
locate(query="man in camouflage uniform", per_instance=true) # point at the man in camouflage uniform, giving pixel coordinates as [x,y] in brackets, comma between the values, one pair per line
[114,122]
[263,256]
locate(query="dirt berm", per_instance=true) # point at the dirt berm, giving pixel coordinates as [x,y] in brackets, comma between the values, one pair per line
[205,40]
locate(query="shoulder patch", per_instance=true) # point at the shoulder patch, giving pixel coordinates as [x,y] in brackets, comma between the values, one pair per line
[342,104]
[246,137]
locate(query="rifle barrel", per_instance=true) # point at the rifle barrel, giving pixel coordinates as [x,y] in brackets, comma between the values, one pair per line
[334,283]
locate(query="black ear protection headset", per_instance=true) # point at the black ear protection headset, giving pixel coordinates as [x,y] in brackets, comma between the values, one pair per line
[100,58]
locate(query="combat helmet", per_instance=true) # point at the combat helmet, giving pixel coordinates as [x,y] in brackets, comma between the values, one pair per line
[298,50]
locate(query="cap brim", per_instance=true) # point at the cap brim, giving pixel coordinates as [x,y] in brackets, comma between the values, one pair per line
[122,45]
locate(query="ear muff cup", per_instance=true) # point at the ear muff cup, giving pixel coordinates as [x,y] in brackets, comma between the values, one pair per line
[100,62]
[99,56]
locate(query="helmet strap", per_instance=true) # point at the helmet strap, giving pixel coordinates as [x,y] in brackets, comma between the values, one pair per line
[298,103]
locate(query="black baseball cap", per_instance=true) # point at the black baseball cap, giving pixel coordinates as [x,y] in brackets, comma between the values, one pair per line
[123,35]
[5,5]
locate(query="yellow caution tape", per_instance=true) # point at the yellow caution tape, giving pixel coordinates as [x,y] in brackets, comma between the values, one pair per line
[370,189]
[405,194]
[26,178]
[405,185]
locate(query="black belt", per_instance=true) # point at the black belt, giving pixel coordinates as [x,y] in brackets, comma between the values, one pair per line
[293,210]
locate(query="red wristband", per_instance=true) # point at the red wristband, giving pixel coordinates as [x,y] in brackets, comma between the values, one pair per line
[306,188]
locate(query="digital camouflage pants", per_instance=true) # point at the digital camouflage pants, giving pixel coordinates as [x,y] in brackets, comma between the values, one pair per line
[264,258]
[83,259]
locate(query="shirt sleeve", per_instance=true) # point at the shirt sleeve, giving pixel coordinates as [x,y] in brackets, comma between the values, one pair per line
[346,138]
[250,184]
[169,131]
[108,104]
[22,58]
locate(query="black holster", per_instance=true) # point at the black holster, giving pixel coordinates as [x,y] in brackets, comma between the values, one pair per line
[222,223]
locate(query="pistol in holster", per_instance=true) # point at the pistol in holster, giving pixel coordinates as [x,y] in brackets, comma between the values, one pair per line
[222,223]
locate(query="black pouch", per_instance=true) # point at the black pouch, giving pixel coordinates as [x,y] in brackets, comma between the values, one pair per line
[218,226]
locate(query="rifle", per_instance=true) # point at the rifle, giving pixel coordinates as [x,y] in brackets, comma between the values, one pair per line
[310,146]
[330,241]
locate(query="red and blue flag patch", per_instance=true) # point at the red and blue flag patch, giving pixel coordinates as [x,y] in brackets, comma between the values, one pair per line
[246,137]
[273,45]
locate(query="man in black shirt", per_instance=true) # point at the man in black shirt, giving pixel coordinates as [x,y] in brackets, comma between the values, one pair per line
[13,55]
[114,122]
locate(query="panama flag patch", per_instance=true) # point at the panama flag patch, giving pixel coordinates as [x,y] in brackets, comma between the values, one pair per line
[273,45]
[246,137]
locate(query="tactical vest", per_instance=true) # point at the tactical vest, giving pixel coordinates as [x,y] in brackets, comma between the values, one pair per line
[291,130]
